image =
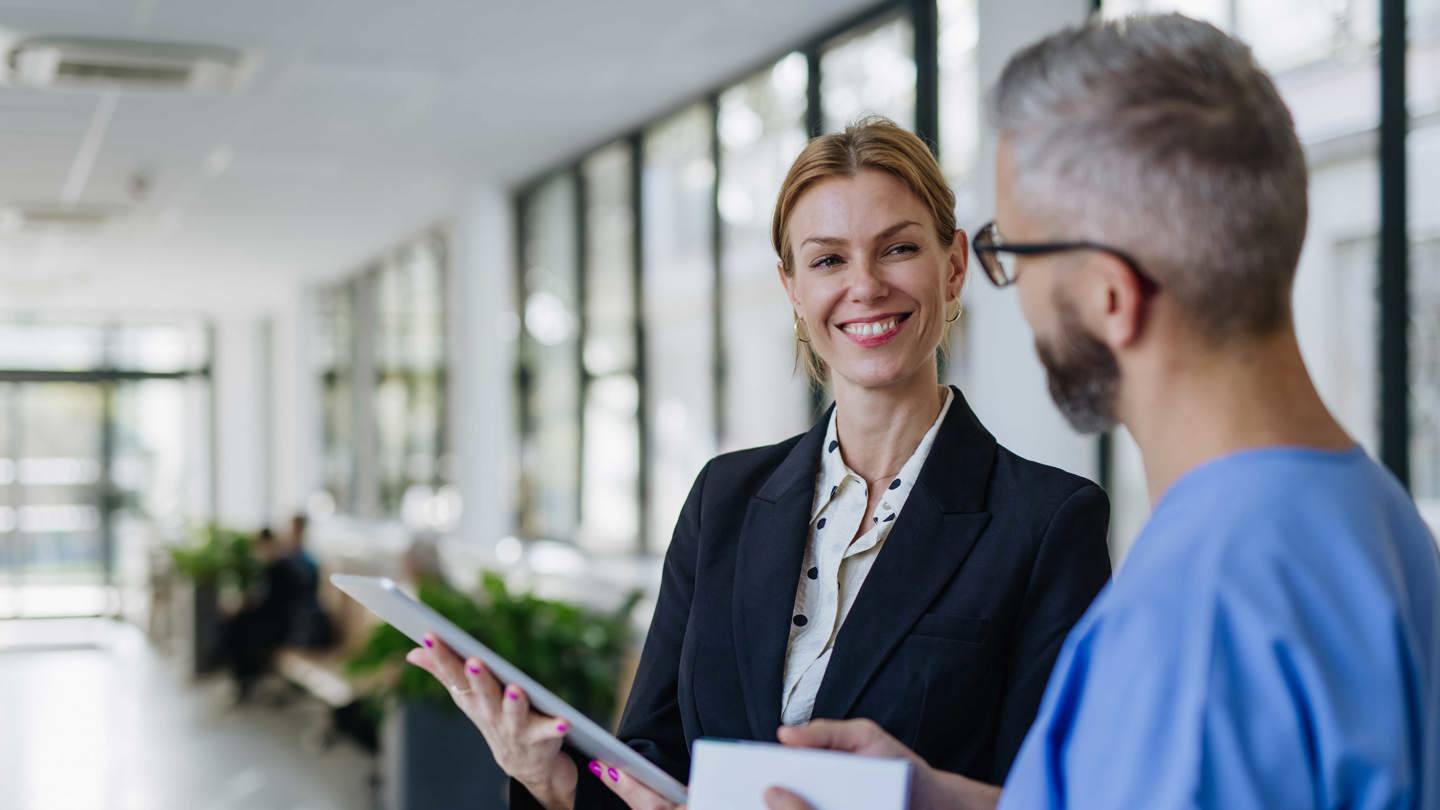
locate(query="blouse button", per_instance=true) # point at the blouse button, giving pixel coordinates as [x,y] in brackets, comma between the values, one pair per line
[813,573]
[800,621]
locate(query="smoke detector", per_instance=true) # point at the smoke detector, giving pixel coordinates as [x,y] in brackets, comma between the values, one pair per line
[92,63]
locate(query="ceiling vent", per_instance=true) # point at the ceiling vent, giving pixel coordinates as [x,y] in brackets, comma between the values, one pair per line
[31,217]
[77,62]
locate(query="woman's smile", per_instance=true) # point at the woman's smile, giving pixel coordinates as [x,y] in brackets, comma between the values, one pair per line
[874,331]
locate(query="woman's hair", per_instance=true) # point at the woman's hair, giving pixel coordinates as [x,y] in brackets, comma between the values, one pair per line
[871,143]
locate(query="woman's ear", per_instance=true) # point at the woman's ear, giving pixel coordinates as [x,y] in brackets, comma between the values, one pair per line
[788,280]
[958,263]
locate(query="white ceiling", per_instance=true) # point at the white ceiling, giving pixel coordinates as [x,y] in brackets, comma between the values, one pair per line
[363,121]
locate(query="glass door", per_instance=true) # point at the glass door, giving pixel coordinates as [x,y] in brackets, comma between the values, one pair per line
[54,558]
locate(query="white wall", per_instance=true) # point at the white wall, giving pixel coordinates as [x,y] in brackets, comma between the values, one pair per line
[999,372]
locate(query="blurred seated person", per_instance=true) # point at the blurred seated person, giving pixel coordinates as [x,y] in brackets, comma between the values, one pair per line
[262,625]
[310,626]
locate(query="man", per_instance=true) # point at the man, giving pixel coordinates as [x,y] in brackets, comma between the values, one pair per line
[1274,639]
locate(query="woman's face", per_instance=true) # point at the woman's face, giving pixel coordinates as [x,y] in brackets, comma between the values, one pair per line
[871,283]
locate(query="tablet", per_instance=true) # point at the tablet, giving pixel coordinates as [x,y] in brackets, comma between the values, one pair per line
[415,619]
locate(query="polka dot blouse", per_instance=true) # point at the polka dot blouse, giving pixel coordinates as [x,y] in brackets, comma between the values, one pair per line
[835,568]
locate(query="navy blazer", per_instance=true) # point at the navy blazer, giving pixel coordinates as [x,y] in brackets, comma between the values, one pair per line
[948,645]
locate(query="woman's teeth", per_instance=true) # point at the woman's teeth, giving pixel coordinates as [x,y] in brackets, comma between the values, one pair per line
[871,329]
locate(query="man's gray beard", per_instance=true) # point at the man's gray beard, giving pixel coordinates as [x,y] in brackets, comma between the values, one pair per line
[1082,372]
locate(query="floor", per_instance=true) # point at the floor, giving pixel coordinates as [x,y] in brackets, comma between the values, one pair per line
[92,718]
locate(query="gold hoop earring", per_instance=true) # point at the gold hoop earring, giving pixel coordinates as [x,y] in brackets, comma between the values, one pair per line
[796,327]
[959,309]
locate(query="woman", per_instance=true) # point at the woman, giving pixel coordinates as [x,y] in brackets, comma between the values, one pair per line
[892,563]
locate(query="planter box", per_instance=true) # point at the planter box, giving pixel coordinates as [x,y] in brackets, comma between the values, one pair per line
[433,756]
[199,623]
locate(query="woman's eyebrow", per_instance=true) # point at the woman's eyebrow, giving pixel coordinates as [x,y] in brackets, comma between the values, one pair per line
[830,241]
[894,229]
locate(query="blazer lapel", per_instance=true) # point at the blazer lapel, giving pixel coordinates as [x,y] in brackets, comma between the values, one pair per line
[937,527]
[767,573]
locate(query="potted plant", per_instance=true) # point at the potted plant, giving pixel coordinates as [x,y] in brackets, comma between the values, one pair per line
[218,559]
[431,754]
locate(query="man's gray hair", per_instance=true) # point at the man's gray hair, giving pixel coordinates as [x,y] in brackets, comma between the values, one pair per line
[1163,137]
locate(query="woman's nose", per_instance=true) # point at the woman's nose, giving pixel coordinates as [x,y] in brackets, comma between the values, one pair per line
[865,281]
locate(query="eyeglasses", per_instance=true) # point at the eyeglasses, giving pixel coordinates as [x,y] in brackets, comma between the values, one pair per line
[999,259]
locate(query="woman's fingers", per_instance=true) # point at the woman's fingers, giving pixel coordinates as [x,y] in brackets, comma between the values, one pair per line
[450,668]
[514,712]
[479,680]
[782,799]
[634,794]
[420,657]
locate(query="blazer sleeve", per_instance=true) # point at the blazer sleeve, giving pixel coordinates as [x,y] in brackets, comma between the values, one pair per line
[1071,567]
[651,721]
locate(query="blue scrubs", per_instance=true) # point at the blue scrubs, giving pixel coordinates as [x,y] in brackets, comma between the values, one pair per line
[1273,641]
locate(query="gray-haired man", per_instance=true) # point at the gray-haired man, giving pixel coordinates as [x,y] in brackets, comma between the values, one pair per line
[1274,639]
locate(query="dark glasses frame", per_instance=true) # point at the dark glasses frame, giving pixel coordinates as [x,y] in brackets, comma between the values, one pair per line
[988,244]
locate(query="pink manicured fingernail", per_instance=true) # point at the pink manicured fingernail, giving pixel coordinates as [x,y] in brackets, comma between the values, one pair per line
[614,775]
[429,643]
[562,728]
[595,769]
[512,694]
[474,669]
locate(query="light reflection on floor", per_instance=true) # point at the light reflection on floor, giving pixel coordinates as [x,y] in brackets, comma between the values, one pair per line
[92,719]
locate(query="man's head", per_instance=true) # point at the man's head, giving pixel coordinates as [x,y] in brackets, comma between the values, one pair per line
[1162,138]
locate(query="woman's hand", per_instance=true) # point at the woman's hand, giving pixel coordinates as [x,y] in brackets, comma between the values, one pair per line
[930,789]
[525,744]
[629,789]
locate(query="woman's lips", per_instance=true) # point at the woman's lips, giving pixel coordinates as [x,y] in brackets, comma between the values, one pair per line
[869,334]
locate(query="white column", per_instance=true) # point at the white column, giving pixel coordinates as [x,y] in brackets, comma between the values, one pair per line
[483,325]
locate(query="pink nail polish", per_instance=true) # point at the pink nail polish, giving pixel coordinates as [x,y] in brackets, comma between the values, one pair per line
[512,694]
[562,728]
[595,769]
[429,643]
[614,775]
[474,670]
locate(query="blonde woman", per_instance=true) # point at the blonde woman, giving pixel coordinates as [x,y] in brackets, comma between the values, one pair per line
[893,563]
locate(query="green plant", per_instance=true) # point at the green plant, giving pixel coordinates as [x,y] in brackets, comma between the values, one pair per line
[218,556]
[576,653]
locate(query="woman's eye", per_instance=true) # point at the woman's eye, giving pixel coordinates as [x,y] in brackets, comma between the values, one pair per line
[826,261]
[903,249]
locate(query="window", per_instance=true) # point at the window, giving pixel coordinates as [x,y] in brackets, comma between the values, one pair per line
[381,358]
[1425,372]
[610,485]
[335,357]
[679,278]
[961,113]
[625,396]
[761,128]
[550,362]
[411,447]
[1423,77]
[1323,58]
[870,72]
[960,107]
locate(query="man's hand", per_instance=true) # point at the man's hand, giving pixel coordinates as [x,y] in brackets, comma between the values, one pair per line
[930,789]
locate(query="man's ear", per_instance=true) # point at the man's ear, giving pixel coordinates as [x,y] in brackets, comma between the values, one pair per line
[1121,301]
